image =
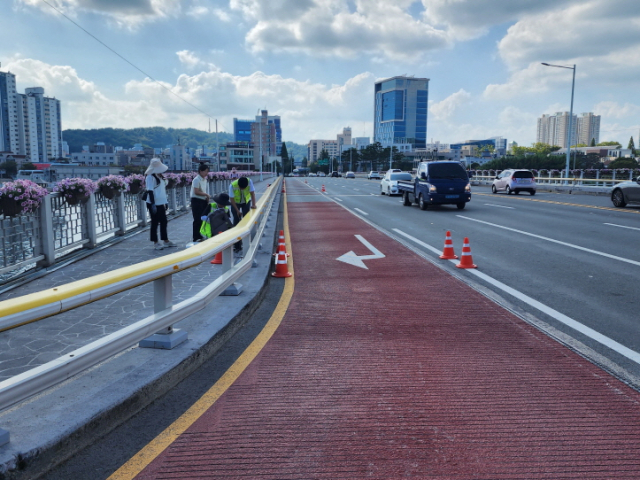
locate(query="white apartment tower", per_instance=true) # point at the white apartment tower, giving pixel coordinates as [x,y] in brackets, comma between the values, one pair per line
[588,128]
[30,123]
[553,129]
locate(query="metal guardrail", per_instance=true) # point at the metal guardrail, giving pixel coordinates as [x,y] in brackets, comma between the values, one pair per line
[30,308]
[570,181]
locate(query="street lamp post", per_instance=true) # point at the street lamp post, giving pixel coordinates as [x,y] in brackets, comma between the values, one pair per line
[573,84]
[260,133]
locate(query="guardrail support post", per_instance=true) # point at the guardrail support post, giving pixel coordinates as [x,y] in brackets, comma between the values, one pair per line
[122,215]
[168,337]
[47,245]
[88,210]
[4,437]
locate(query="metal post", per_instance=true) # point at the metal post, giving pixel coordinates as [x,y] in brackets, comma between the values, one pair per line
[47,240]
[168,337]
[88,210]
[121,215]
[142,213]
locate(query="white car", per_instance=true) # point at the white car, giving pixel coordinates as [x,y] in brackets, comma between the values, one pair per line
[322,174]
[312,174]
[389,183]
[373,174]
[350,175]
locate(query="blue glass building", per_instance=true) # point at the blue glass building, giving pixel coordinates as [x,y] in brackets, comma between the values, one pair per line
[400,111]
[242,130]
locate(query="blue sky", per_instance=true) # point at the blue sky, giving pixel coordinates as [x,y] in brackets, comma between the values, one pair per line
[314,62]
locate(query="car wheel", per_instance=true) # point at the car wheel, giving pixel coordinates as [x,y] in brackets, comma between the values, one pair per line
[617,197]
[517,192]
[389,191]
[508,190]
[381,191]
[493,189]
[461,205]
[422,203]
[405,199]
[532,192]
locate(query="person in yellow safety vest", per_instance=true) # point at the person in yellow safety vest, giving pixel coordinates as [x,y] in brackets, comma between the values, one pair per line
[220,200]
[242,196]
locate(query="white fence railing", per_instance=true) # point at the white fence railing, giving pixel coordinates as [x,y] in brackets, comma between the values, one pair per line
[30,308]
[57,228]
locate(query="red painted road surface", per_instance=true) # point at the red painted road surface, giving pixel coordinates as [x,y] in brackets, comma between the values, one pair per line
[403,371]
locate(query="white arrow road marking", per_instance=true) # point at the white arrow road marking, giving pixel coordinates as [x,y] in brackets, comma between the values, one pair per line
[357,260]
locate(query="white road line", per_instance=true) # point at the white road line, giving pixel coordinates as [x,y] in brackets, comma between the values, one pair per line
[339,199]
[560,317]
[622,226]
[570,245]
[362,212]
[499,206]
[373,194]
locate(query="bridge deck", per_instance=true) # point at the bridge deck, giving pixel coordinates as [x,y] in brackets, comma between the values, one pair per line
[400,370]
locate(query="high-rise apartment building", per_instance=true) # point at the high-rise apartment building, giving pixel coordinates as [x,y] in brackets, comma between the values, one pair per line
[588,129]
[400,111]
[554,129]
[8,113]
[30,123]
[263,139]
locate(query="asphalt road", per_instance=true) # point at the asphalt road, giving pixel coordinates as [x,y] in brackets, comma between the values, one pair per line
[576,255]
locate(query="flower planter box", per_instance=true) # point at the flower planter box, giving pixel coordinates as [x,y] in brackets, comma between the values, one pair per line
[10,207]
[77,199]
[135,188]
[171,183]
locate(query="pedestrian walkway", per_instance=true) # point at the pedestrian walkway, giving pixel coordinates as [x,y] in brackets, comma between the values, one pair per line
[397,370]
[37,343]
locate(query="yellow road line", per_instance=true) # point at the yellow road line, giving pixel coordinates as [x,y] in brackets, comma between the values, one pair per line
[621,210]
[154,448]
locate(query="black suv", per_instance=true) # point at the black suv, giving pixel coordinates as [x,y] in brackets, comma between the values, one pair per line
[335,174]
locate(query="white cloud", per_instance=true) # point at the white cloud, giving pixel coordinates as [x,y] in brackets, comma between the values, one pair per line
[615,110]
[188,58]
[338,28]
[304,106]
[445,109]
[127,13]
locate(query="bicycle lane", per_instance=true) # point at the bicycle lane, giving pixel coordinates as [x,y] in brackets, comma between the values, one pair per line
[399,369]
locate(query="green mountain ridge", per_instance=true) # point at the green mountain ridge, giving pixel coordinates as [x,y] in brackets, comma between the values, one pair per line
[155,137]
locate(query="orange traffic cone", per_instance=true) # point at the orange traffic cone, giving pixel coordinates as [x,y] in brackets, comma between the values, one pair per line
[466,260]
[323,190]
[281,245]
[218,258]
[282,270]
[447,251]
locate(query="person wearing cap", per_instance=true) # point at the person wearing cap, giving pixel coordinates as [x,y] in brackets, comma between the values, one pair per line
[242,197]
[157,203]
[199,199]
[220,201]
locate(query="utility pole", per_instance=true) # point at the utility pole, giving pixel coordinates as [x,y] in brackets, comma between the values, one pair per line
[217,146]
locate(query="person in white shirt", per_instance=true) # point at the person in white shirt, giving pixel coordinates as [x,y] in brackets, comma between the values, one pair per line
[199,199]
[157,203]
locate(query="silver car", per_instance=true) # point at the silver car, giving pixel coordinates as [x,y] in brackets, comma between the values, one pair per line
[626,192]
[514,181]
[389,183]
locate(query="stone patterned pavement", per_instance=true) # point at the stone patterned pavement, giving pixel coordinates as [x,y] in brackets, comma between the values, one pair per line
[34,344]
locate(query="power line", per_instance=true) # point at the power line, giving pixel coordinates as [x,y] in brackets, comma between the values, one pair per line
[130,63]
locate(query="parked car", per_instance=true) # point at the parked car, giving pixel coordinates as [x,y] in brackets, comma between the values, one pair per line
[374,175]
[515,181]
[350,175]
[335,174]
[626,192]
[389,183]
[312,174]
[322,174]
[437,183]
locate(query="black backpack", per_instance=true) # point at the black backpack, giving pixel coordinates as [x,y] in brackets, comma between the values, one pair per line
[219,221]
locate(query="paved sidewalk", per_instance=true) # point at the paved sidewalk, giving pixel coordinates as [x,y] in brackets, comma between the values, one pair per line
[401,370]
